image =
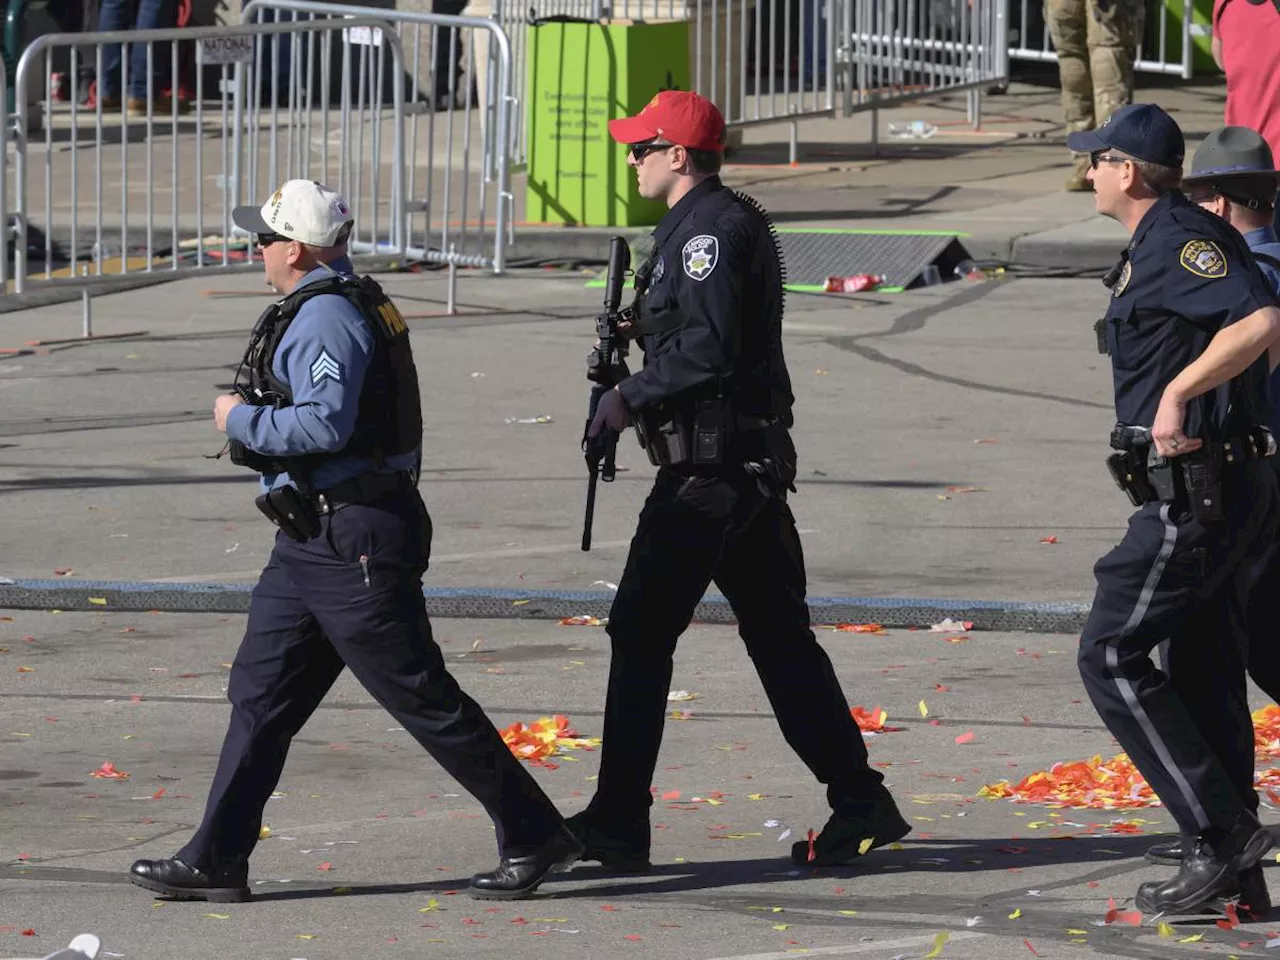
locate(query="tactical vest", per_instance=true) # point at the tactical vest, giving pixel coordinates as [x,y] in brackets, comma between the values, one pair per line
[389,421]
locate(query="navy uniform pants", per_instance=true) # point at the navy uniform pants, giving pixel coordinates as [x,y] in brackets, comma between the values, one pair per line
[695,529]
[1176,584]
[1264,618]
[313,612]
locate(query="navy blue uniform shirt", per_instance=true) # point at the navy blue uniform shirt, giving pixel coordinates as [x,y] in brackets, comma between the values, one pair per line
[1187,274]
[323,357]
[715,292]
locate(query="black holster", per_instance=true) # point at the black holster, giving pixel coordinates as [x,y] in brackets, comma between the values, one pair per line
[677,434]
[292,512]
[1193,480]
[1129,470]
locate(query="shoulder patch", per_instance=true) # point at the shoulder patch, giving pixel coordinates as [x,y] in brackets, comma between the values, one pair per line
[325,366]
[1204,258]
[700,256]
[1125,275]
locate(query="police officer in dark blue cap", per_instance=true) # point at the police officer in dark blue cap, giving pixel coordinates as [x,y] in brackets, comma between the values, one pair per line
[1190,329]
[330,416]
[712,407]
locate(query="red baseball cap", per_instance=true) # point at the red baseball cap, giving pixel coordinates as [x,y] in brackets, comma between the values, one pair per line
[678,116]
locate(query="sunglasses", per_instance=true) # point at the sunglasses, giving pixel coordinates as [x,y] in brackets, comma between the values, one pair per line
[1098,158]
[267,239]
[641,150]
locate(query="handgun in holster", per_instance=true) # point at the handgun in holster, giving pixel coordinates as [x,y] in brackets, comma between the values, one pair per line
[1193,480]
[1130,475]
[295,514]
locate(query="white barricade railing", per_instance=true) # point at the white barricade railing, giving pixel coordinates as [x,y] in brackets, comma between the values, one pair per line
[220,153]
[1030,38]
[832,58]
[458,142]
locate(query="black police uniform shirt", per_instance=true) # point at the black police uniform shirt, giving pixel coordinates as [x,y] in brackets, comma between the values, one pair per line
[714,304]
[1186,274]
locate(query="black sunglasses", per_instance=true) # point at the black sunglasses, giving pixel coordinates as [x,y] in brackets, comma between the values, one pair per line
[1098,158]
[641,150]
[267,239]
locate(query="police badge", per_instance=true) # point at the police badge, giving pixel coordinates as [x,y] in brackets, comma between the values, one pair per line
[1203,258]
[700,256]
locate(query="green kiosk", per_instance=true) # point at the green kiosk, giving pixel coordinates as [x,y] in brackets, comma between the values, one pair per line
[581,75]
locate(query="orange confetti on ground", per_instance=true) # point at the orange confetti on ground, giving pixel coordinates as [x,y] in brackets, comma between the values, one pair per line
[860,628]
[108,771]
[582,621]
[965,737]
[1116,784]
[545,738]
[869,721]
[1049,539]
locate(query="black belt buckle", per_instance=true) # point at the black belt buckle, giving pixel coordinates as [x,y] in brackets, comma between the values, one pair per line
[292,512]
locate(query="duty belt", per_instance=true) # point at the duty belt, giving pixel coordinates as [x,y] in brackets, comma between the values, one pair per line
[1257,445]
[362,489]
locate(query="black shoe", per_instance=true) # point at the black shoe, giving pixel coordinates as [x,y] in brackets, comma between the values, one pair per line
[173,878]
[1165,854]
[517,877]
[844,838]
[621,845]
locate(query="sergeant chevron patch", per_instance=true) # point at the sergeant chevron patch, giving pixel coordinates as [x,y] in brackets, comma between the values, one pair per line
[325,366]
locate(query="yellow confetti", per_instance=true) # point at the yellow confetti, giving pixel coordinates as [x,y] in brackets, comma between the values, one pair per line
[264,833]
[98,601]
[306,936]
[848,913]
[218,916]
[760,796]
[924,709]
[520,603]
[341,889]
[865,845]
[128,736]
[679,860]
[1192,939]
[1078,933]
[896,846]
[782,926]
[549,919]
[938,942]
[1016,914]
[432,904]
[1165,931]
[776,909]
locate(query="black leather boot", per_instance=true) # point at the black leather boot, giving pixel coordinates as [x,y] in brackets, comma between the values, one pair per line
[174,878]
[518,877]
[1208,872]
[844,838]
[621,845]
[1165,854]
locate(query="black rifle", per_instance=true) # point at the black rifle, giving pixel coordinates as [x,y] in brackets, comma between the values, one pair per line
[606,366]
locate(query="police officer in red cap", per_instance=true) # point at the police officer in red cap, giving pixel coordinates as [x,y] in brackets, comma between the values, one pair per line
[712,408]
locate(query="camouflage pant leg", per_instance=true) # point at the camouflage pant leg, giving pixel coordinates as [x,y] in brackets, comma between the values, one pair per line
[1114,29]
[1068,26]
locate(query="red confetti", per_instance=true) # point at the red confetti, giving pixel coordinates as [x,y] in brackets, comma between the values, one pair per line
[158,794]
[608,908]
[671,795]
[860,628]
[1049,539]
[326,866]
[813,854]
[1232,920]
[1030,947]
[28,932]
[965,737]
[633,937]
[869,721]
[108,771]
[941,687]
[24,856]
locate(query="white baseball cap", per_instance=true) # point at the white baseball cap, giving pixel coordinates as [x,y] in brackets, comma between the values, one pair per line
[302,210]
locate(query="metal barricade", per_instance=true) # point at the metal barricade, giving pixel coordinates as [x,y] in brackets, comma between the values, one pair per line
[1156,53]
[458,146]
[216,157]
[765,63]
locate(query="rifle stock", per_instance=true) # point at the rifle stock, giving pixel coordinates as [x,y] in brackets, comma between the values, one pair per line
[605,368]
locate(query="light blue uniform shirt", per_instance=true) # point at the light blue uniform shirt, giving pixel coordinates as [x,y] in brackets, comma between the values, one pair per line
[323,357]
[1263,240]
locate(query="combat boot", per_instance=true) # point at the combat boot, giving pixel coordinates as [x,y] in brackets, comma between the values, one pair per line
[619,844]
[1078,182]
[848,836]
[1209,872]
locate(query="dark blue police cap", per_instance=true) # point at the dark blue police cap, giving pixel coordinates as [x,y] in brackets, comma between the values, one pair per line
[1140,130]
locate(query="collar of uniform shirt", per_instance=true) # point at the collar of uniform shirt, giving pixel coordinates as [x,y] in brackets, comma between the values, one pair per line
[341,265]
[671,219]
[1163,203]
[1256,238]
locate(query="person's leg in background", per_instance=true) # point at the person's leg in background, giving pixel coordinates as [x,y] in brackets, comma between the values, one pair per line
[112,15]
[446,58]
[1114,29]
[1069,29]
[152,15]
